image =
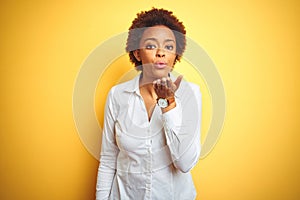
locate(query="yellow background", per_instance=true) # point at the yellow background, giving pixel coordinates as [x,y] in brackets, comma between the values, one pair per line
[254,44]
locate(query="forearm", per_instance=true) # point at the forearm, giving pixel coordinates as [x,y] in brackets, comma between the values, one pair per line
[104,182]
[184,154]
[184,148]
[182,130]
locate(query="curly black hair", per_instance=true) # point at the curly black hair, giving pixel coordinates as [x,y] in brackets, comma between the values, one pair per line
[151,18]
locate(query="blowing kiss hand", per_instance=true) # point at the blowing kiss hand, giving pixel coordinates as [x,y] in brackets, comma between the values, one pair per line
[165,88]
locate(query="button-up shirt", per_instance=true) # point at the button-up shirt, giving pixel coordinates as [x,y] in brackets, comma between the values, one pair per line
[142,159]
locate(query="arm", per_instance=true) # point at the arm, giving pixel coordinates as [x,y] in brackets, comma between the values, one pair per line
[109,153]
[182,129]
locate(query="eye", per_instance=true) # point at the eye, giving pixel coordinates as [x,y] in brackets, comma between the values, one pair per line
[150,46]
[169,47]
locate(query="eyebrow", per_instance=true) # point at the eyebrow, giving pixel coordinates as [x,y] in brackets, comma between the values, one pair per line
[166,40]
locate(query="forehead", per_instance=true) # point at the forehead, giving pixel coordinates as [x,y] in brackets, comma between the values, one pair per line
[159,32]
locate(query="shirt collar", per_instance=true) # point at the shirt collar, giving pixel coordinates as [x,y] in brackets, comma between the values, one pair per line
[134,84]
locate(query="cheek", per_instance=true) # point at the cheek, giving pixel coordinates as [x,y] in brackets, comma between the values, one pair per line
[172,58]
[147,55]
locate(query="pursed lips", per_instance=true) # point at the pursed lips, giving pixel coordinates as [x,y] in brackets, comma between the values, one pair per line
[160,65]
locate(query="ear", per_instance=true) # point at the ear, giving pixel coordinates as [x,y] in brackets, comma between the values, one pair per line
[136,54]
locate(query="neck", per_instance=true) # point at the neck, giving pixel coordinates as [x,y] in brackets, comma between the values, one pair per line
[146,87]
[145,81]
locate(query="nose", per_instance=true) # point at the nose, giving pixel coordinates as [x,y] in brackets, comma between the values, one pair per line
[160,53]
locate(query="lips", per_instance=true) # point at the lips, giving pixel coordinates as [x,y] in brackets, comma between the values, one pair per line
[160,65]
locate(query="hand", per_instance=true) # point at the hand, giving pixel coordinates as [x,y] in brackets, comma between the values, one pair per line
[165,88]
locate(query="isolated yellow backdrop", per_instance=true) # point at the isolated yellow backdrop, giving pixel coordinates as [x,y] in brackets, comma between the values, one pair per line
[255,46]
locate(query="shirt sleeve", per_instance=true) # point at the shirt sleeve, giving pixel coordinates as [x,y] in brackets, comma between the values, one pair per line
[109,152]
[182,129]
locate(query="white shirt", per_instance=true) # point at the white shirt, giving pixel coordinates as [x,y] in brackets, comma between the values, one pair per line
[142,159]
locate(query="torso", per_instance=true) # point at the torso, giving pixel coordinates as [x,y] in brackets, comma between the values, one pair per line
[149,100]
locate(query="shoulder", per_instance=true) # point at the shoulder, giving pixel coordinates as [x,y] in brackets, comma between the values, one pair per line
[117,91]
[125,85]
[186,87]
[189,95]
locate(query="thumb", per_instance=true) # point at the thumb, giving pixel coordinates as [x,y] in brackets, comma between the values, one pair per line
[178,81]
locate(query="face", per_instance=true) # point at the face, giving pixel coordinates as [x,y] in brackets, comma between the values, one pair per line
[157,52]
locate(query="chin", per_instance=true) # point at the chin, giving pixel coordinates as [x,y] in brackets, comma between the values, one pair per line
[162,73]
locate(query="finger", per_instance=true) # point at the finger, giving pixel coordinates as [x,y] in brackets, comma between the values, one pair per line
[178,81]
[163,83]
[158,84]
[155,85]
[169,82]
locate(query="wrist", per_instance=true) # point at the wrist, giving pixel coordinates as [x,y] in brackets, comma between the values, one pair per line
[169,107]
[166,104]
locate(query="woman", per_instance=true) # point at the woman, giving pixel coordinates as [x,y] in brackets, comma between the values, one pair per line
[151,134]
